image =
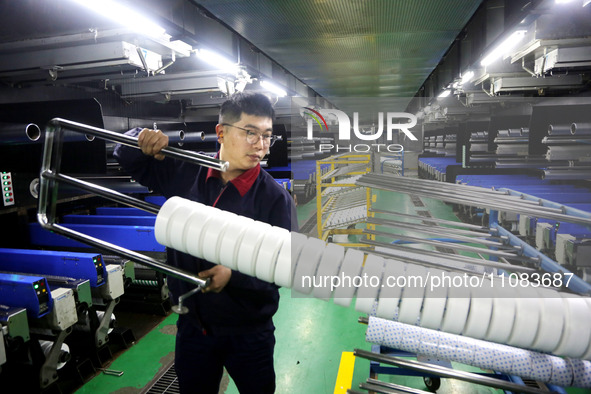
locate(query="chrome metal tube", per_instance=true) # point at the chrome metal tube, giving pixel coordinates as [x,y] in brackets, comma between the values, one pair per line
[460,235]
[580,128]
[192,157]
[559,129]
[434,220]
[30,133]
[102,191]
[447,372]
[424,259]
[444,244]
[479,197]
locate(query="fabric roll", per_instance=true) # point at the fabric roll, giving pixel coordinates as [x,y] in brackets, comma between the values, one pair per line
[487,355]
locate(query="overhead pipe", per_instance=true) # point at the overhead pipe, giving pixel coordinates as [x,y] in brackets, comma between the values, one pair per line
[560,129]
[582,128]
[30,133]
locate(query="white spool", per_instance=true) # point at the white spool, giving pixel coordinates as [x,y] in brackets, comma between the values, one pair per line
[527,318]
[456,309]
[465,350]
[328,267]
[161,224]
[562,372]
[551,320]
[411,338]
[46,347]
[485,355]
[522,362]
[307,265]
[267,257]
[288,256]
[175,233]
[351,268]
[447,346]
[480,311]
[393,333]
[367,293]
[576,334]
[541,367]
[429,343]
[249,247]
[193,230]
[231,239]
[212,235]
[581,373]
[434,303]
[587,355]
[505,356]
[390,295]
[375,330]
[412,296]
[503,315]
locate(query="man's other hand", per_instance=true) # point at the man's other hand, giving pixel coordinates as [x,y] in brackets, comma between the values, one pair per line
[219,276]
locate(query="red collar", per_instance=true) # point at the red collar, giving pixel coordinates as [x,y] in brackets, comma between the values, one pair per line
[243,182]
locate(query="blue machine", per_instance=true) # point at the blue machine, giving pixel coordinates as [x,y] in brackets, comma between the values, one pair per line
[130,237]
[110,220]
[124,211]
[29,292]
[88,266]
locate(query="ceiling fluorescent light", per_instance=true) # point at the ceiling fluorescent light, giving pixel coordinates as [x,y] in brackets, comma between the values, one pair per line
[467,77]
[124,16]
[586,3]
[445,93]
[217,60]
[504,47]
[563,1]
[271,87]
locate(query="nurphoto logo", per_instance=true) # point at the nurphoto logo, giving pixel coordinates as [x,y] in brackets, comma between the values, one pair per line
[393,122]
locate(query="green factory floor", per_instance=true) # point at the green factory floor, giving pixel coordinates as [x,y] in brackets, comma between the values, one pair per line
[312,336]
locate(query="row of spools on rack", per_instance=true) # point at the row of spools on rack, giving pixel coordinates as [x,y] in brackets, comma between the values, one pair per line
[464,308]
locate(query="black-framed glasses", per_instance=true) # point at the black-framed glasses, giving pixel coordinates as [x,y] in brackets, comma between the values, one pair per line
[253,137]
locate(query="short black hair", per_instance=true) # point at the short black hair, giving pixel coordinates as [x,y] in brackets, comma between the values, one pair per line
[250,103]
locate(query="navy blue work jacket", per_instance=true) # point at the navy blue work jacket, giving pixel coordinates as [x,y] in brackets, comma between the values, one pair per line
[246,304]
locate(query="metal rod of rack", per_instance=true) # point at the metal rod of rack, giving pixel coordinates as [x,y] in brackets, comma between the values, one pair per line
[469,195]
[447,372]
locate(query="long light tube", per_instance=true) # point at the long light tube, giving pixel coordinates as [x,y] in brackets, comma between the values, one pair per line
[504,47]
[445,93]
[124,16]
[467,77]
[271,87]
[217,60]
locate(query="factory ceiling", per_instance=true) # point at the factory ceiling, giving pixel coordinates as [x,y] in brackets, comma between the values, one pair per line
[351,48]
[346,48]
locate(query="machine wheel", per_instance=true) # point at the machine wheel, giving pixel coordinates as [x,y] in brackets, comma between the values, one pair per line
[432,384]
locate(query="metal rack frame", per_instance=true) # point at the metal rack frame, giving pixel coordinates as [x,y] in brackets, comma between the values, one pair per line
[50,177]
[339,165]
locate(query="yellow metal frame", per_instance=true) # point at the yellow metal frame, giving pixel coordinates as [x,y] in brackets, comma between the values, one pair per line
[324,181]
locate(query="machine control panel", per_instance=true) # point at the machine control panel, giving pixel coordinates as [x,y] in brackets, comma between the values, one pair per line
[7,189]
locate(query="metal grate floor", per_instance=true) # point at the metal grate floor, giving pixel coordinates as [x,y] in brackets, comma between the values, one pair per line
[416,201]
[166,384]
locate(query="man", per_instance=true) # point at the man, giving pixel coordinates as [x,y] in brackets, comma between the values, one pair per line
[229,323]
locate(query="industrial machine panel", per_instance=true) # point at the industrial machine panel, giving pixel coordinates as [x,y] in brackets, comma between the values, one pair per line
[29,292]
[45,262]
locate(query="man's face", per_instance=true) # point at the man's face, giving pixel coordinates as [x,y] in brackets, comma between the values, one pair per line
[241,154]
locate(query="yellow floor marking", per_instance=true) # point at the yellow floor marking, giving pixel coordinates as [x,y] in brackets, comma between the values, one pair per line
[345,375]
